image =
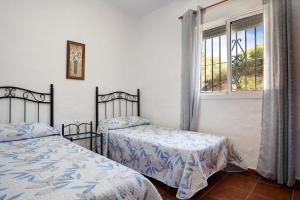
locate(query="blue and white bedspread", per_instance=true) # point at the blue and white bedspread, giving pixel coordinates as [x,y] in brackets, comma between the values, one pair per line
[52,168]
[180,159]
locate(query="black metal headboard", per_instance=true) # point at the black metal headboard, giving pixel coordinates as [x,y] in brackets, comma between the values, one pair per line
[25,95]
[117,96]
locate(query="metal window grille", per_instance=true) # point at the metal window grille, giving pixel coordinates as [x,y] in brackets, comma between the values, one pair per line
[214,60]
[246,56]
[247,53]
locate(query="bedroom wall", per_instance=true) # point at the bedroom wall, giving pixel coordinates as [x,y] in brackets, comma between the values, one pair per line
[160,66]
[33,37]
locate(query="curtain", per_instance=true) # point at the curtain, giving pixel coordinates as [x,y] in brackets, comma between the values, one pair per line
[277,156]
[190,69]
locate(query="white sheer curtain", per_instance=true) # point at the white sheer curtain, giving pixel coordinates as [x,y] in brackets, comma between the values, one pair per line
[190,70]
[277,159]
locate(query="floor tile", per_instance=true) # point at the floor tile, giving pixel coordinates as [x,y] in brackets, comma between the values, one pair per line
[212,181]
[276,192]
[223,192]
[296,195]
[252,173]
[171,192]
[235,186]
[258,197]
[208,198]
[241,181]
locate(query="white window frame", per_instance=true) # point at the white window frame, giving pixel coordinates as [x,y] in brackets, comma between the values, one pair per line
[229,94]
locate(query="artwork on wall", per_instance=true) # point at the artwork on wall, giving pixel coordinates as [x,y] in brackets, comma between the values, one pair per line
[75,60]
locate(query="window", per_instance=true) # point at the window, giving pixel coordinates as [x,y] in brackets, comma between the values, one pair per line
[214,60]
[244,71]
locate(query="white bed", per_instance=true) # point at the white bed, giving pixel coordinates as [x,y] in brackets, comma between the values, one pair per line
[180,159]
[36,163]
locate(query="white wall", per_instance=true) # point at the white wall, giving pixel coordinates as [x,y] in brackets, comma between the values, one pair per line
[33,37]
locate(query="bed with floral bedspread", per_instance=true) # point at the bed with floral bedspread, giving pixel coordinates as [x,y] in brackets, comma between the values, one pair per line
[180,159]
[49,167]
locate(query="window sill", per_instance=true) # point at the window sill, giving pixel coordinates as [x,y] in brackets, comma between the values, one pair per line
[255,95]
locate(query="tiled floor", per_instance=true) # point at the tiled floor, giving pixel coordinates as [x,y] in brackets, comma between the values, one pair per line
[236,186]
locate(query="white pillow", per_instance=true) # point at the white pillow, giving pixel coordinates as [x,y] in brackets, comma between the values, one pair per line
[122,122]
[20,131]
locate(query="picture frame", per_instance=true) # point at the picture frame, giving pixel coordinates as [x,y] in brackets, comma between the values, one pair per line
[75,60]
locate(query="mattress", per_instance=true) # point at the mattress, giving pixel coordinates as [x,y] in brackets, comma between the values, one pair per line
[54,168]
[180,159]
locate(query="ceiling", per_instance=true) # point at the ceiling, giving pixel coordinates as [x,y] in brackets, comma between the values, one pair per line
[139,8]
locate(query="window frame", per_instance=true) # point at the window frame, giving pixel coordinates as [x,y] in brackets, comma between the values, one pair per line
[229,94]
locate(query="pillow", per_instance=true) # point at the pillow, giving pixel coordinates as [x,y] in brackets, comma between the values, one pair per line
[122,122]
[12,132]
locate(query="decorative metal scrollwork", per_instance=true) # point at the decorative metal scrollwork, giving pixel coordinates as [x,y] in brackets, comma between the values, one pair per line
[238,62]
[20,93]
[25,96]
[10,92]
[117,95]
[78,127]
[34,96]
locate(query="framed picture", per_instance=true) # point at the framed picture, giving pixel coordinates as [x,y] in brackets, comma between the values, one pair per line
[75,60]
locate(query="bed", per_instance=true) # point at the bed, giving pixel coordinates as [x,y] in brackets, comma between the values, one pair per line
[180,159]
[37,163]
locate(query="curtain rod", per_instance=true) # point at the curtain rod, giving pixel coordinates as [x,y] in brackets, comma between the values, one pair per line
[210,6]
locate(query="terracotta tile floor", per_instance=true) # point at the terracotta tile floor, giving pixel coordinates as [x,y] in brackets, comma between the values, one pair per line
[236,186]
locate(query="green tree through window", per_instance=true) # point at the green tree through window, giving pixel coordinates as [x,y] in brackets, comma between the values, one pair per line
[246,53]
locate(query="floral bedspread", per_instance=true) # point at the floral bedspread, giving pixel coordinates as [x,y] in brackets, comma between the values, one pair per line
[50,168]
[180,159]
